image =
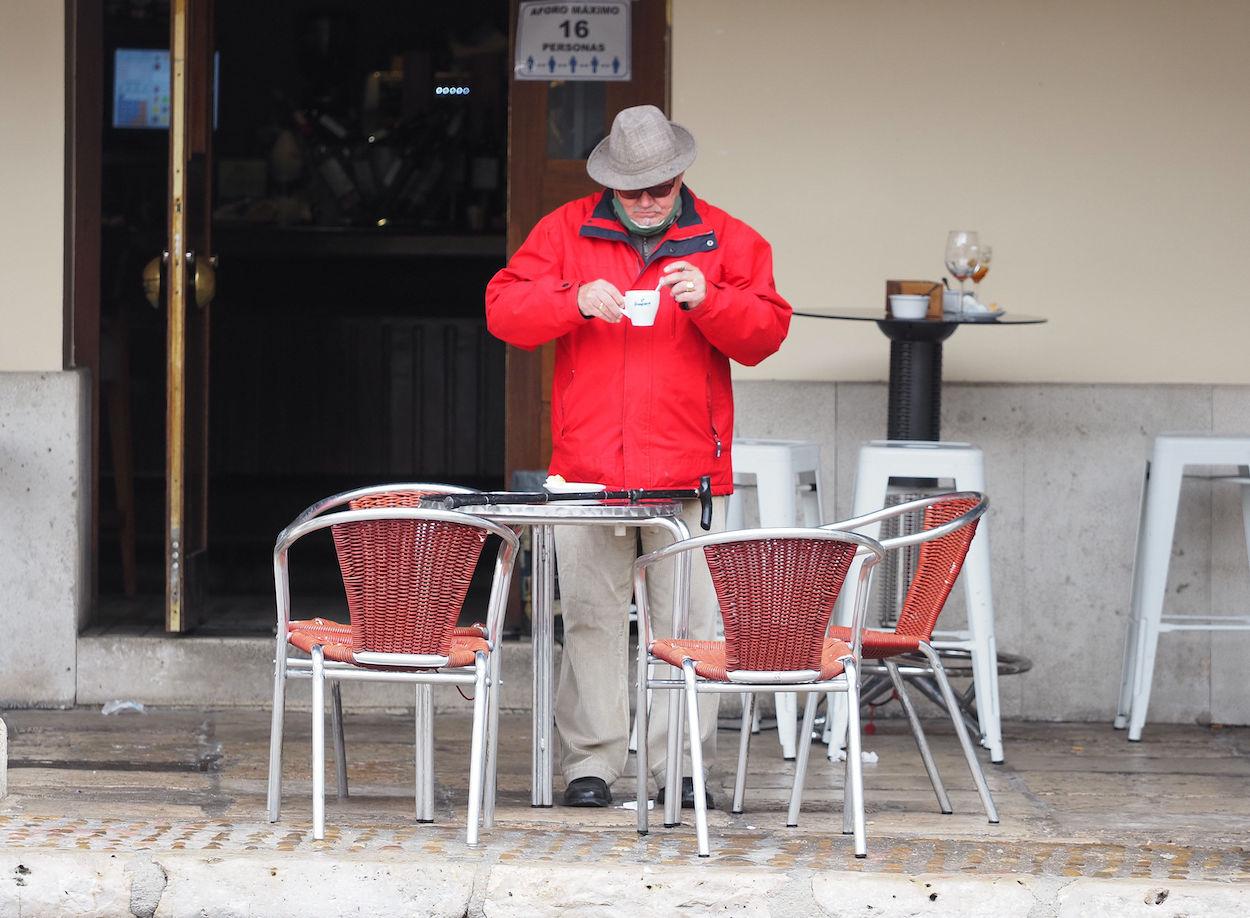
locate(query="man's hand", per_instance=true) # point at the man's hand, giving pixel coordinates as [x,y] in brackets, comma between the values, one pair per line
[688,283]
[600,300]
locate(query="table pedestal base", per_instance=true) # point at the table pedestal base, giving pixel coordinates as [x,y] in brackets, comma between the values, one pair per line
[915,409]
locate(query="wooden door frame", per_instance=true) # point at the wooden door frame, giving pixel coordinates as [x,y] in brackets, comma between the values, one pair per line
[527,374]
[84,154]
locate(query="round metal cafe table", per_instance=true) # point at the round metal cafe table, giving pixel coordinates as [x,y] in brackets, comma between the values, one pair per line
[542,520]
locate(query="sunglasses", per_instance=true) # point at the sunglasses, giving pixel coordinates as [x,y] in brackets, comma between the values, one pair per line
[656,191]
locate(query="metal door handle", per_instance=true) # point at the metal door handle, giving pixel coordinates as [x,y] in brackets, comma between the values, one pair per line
[154,279]
[202,275]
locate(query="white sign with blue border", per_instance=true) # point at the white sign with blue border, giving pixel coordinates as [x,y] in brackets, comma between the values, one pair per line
[573,41]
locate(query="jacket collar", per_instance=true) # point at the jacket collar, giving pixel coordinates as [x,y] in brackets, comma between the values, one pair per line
[687,235]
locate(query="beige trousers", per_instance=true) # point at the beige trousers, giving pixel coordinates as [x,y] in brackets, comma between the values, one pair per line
[593,696]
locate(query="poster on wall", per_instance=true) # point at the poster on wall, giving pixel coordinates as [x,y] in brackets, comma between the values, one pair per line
[572,41]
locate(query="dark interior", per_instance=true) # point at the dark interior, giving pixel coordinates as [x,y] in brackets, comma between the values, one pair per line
[359,210]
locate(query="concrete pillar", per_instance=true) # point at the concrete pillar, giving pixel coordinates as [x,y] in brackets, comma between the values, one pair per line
[45,530]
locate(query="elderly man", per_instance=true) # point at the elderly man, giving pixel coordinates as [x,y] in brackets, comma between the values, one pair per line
[635,406]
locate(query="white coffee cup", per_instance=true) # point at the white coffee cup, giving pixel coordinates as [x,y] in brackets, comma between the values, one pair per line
[641,306]
[908,306]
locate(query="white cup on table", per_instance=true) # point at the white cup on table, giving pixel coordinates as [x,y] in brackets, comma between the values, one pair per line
[908,306]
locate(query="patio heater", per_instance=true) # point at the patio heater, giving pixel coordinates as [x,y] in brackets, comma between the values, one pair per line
[899,566]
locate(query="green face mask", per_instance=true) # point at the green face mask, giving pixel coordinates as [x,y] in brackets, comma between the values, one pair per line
[646,230]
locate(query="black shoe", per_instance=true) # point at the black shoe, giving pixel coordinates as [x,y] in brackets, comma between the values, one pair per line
[687,795]
[589,791]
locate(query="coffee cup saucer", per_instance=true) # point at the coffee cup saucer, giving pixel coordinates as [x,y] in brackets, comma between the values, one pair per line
[969,316]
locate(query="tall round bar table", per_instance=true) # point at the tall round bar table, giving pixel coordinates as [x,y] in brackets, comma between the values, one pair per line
[915,404]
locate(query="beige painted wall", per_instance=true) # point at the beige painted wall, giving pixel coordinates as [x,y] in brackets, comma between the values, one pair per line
[1102,148]
[32,183]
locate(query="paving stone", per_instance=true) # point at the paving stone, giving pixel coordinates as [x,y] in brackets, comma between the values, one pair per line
[245,886]
[148,880]
[62,883]
[930,895]
[1128,899]
[607,891]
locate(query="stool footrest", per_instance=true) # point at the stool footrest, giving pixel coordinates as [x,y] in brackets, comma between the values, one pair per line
[1199,622]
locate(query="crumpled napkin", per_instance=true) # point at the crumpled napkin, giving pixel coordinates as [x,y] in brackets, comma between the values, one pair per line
[868,758]
[971,304]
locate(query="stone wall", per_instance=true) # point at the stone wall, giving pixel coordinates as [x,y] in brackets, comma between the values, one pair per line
[1063,464]
[1064,468]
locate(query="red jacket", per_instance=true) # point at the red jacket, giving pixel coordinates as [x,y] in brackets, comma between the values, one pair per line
[648,407]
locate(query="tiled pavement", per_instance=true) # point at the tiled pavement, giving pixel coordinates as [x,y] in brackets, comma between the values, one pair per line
[1076,800]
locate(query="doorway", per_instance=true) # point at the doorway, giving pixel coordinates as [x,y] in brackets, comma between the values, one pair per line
[358,210]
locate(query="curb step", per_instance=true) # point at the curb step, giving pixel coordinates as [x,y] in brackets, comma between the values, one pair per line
[277,884]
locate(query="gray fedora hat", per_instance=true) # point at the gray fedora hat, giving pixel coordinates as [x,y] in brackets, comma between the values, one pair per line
[643,149]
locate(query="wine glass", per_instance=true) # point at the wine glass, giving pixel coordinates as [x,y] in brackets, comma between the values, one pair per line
[961,258]
[984,254]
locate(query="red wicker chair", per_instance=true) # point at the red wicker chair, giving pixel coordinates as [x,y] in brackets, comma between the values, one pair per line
[776,589]
[949,525]
[406,572]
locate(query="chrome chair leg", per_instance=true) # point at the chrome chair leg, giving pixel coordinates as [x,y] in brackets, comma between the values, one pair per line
[423,720]
[642,726]
[848,804]
[336,734]
[493,692]
[744,742]
[696,762]
[672,780]
[848,789]
[318,743]
[274,801]
[854,759]
[477,752]
[944,801]
[961,730]
[800,764]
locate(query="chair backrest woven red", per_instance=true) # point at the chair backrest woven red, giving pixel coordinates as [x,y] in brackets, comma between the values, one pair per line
[937,568]
[405,579]
[776,598]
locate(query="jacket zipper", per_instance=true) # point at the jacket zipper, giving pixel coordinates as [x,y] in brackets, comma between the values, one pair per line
[564,399]
[711,418]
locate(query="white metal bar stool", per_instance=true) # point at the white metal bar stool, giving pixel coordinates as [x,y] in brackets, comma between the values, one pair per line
[1161,491]
[782,469]
[963,465]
